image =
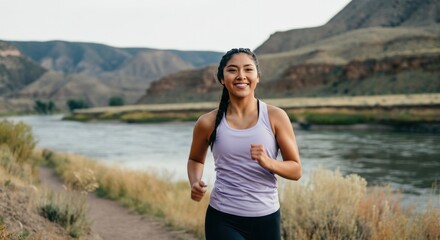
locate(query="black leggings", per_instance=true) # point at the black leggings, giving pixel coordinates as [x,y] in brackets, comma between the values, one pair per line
[221,226]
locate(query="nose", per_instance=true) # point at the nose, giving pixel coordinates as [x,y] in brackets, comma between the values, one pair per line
[241,74]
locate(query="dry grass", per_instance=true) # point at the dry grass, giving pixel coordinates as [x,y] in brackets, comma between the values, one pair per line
[325,208]
[19,139]
[329,206]
[67,208]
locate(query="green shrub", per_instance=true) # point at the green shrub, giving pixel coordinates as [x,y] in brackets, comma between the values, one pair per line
[336,118]
[68,209]
[116,101]
[77,104]
[42,107]
[77,117]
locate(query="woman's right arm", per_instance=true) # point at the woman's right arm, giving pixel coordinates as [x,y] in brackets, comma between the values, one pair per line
[197,155]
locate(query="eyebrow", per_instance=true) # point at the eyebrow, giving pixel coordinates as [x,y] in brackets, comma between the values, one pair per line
[247,65]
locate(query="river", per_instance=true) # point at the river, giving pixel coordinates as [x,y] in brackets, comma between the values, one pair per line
[409,162]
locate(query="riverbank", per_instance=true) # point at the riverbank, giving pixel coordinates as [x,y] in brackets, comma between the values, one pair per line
[413,111]
[328,206]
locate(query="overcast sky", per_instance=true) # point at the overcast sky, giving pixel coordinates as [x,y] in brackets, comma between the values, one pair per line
[216,25]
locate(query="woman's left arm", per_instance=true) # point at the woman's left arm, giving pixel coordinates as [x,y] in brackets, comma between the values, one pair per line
[290,167]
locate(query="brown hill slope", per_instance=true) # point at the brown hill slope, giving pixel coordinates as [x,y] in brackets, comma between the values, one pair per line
[60,87]
[358,14]
[388,61]
[144,67]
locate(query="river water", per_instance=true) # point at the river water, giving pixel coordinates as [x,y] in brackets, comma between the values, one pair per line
[409,162]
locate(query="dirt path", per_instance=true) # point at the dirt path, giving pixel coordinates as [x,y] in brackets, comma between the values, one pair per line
[112,221]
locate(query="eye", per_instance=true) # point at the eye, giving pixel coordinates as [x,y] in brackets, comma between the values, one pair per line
[231,70]
[249,69]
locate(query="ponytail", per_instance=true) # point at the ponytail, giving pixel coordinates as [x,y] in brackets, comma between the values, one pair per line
[222,107]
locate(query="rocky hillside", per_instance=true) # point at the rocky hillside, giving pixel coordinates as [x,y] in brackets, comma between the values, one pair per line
[59,70]
[361,62]
[395,49]
[16,70]
[358,14]
[390,75]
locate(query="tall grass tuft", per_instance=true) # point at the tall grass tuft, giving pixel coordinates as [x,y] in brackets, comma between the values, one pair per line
[68,209]
[19,139]
[331,206]
[16,145]
[324,208]
[8,163]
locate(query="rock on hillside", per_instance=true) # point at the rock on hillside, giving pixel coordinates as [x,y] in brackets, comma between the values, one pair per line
[358,14]
[16,70]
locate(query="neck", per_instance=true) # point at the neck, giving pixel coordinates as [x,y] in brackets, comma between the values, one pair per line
[242,106]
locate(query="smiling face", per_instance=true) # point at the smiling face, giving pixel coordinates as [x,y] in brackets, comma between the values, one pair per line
[240,76]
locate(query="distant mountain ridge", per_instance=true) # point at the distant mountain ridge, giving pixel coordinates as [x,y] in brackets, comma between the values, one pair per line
[93,72]
[358,14]
[81,57]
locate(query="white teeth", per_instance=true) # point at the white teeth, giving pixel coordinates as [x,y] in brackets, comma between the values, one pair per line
[241,84]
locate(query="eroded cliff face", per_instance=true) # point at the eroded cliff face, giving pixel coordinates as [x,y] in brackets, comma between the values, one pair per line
[393,75]
[186,86]
[398,74]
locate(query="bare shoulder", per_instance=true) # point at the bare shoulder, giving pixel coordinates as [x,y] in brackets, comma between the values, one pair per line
[279,120]
[206,122]
[276,113]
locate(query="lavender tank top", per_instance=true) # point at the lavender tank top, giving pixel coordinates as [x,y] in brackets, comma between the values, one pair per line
[242,187]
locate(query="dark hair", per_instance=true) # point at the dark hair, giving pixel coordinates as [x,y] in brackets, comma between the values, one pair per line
[223,105]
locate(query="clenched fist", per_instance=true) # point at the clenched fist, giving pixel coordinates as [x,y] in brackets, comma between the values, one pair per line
[258,153]
[198,190]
